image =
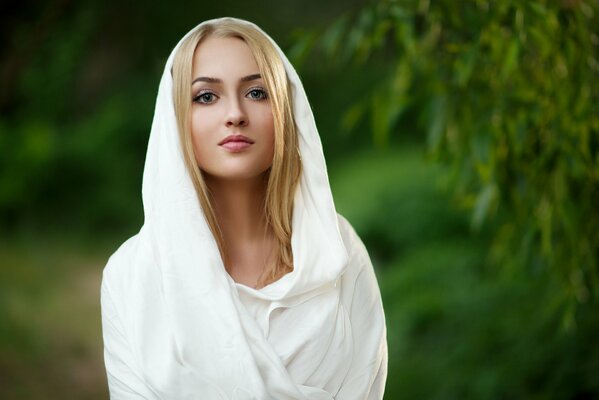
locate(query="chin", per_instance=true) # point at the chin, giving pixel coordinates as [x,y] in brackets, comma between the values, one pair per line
[236,174]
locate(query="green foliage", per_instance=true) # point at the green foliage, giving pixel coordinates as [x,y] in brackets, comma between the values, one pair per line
[507,94]
[458,328]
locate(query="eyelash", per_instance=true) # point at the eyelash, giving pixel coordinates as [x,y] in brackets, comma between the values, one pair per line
[198,97]
[264,95]
[202,93]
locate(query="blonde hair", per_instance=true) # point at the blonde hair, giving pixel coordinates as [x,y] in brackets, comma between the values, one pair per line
[283,176]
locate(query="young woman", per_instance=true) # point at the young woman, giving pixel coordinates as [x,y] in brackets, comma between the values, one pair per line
[243,282]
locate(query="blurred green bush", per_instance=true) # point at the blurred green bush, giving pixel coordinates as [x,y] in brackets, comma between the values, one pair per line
[506,94]
[458,327]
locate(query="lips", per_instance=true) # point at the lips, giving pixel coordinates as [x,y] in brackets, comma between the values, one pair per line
[236,138]
[236,143]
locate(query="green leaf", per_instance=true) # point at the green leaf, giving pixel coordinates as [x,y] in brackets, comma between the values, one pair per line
[437,117]
[484,200]
[352,116]
[511,59]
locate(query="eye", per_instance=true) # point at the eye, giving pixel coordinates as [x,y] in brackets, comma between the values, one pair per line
[257,94]
[204,97]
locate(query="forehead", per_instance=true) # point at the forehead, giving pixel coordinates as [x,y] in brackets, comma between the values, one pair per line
[223,57]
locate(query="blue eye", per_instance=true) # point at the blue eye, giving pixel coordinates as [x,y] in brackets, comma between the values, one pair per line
[257,94]
[204,98]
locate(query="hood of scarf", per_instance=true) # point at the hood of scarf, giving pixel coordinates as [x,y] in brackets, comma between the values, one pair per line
[195,316]
[173,214]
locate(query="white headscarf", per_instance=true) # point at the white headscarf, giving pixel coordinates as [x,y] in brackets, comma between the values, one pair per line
[176,325]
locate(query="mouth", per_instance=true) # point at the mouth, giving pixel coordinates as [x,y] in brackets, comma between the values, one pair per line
[236,143]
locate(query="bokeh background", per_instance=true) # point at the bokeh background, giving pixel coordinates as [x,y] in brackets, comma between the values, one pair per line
[462,140]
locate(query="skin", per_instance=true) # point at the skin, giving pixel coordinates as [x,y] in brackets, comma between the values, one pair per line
[235,179]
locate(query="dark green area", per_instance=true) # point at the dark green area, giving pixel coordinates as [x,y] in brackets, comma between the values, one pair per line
[458,326]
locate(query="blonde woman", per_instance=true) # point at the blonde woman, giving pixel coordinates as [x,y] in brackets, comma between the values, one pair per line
[243,282]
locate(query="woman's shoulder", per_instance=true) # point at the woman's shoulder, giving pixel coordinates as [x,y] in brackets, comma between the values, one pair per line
[120,266]
[359,264]
[359,280]
[352,241]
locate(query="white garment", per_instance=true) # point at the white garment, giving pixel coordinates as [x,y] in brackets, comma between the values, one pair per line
[176,325]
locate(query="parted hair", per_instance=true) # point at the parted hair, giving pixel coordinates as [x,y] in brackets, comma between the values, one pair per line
[283,176]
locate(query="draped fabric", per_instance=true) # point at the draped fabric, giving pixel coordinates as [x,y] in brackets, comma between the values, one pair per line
[177,326]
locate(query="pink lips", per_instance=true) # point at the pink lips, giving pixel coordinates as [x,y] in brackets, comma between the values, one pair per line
[236,143]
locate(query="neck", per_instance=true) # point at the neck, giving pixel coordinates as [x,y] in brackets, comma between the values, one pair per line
[239,208]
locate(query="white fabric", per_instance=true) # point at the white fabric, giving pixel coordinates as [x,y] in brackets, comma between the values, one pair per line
[176,325]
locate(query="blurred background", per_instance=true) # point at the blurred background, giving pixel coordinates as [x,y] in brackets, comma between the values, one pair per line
[462,140]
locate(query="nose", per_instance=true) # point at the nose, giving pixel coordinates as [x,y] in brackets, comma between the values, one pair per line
[236,115]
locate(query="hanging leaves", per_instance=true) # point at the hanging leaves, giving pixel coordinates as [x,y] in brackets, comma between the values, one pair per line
[508,94]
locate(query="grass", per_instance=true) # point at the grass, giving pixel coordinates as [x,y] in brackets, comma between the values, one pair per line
[50,337]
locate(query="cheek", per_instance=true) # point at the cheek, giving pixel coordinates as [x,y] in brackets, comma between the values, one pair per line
[269,130]
[267,155]
[200,135]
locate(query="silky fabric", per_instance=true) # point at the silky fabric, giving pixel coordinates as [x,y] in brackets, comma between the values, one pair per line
[177,326]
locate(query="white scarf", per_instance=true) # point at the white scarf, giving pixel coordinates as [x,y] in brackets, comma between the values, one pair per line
[176,325]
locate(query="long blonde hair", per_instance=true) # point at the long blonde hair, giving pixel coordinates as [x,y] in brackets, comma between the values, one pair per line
[283,176]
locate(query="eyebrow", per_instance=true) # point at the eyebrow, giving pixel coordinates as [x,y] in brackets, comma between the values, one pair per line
[217,80]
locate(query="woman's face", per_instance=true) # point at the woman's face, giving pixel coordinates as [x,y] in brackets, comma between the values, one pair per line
[231,119]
